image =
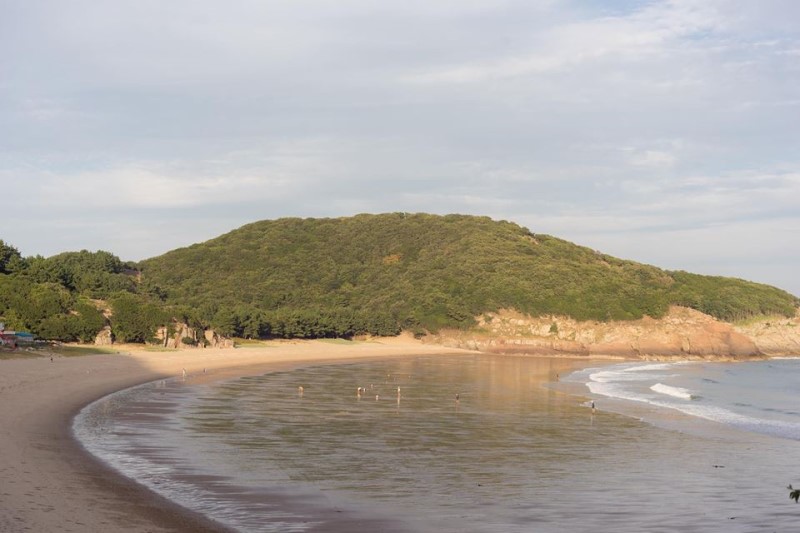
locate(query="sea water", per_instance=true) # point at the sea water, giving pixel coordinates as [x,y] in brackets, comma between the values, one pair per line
[756,396]
[467,443]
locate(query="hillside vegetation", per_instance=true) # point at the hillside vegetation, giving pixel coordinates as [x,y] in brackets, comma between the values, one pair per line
[64,297]
[380,273]
[368,274]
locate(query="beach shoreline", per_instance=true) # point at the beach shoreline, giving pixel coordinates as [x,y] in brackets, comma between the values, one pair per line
[51,483]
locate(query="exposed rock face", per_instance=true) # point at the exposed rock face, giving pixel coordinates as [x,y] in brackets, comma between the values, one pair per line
[682,332]
[200,339]
[104,337]
[217,341]
[775,336]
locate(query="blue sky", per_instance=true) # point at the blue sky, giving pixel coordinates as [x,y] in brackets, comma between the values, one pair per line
[660,131]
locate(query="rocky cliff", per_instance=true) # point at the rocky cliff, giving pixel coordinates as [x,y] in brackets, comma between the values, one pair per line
[681,333]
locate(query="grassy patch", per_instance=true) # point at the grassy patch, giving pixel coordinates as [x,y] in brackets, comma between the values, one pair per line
[6,354]
[758,319]
[251,343]
[60,351]
[159,349]
[338,341]
[77,351]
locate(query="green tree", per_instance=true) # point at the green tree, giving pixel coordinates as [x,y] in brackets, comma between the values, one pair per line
[134,319]
[10,259]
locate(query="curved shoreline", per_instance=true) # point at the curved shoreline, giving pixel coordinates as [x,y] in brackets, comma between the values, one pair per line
[52,483]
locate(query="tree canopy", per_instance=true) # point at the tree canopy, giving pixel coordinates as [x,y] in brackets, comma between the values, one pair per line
[426,271]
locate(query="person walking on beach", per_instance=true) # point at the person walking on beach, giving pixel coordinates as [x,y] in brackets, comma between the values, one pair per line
[593,407]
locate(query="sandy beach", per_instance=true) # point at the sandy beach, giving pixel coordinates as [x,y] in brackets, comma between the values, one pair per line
[51,484]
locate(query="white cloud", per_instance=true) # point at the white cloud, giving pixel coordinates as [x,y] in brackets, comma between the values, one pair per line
[640,36]
[604,122]
[43,109]
[653,158]
[147,188]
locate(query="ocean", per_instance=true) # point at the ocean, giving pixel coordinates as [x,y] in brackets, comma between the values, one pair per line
[757,396]
[467,443]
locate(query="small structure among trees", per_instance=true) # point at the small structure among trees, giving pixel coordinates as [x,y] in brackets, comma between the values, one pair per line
[8,339]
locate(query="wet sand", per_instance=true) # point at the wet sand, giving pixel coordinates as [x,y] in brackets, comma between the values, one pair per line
[50,483]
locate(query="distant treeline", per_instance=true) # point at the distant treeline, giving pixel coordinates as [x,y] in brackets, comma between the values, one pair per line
[64,298]
[375,274]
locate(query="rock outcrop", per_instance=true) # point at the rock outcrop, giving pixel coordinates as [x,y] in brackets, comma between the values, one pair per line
[215,340]
[180,335]
[682,332]
[774,336]
[104,338]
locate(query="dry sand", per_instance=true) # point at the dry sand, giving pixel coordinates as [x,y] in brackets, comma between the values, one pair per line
[49,483]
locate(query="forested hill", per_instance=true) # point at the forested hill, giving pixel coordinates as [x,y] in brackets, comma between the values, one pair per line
[373,274]
[379,273]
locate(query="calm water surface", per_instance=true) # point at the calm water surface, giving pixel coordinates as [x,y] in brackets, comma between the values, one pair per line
[510,454]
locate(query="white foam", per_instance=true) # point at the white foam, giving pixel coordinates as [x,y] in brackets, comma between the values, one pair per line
[787,430]
[612,390]
[676,392]
[654,366]
[614,376]
[632,382]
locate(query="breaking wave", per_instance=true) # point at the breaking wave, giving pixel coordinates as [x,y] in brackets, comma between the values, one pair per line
[676,392]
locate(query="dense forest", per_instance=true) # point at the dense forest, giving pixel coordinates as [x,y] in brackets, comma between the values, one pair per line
[376,274]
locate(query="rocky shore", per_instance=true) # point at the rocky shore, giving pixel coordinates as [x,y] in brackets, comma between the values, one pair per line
[683,333]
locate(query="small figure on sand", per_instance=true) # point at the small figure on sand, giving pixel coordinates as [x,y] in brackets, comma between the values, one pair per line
[593,407]
[184,373]
[300,390]
[458,397]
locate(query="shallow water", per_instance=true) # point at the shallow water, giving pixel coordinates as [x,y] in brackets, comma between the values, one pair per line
[509,455]
[756,396]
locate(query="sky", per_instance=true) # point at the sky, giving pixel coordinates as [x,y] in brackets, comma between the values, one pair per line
[661,131]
